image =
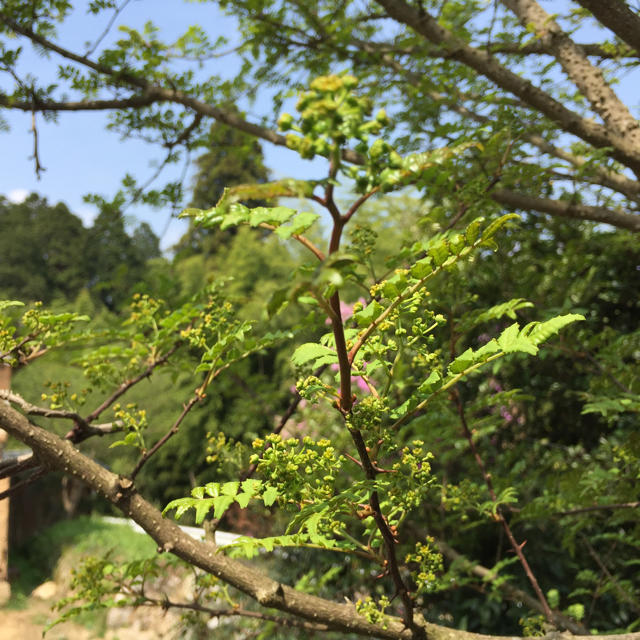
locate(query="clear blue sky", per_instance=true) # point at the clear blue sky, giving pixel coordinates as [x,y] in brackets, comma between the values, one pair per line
[81,156]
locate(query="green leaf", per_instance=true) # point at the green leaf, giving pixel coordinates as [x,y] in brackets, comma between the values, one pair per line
[462,362]
[222,503]
[230,488]
[538,332]
[432,383]
[202,508]
[4,304]
[300,223]
[269,496]
[270,215]
[243,499]
[511,340]
[369,314]
[312,351]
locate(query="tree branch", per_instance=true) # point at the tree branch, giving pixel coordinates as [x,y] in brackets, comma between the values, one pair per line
[588,78]
[483,63]
[60,455]
[564,209]
[617,16]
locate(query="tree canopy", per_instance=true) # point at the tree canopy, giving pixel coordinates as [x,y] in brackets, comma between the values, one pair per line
[440,438]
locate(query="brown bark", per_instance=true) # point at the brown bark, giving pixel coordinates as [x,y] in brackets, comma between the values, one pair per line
[586,77]
[617,16]
[482,62]
[516,200]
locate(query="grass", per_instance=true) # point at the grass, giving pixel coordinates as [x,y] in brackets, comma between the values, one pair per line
[37,559]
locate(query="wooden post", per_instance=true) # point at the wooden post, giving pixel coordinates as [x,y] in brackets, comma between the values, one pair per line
[5,588]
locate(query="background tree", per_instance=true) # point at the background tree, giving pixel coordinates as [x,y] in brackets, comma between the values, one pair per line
[115,261]
[42,249]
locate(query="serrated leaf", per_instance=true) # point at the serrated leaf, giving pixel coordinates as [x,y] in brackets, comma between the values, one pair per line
[367,315]
[495,226]
[310,351]
[221,504]
[251,486]
[270,215]
[212,489]
[432,383]
[472,232]
[440,252]
[538,332]
[300,223]
[202,508]
[243,499]
[511,340]
[197,492]
[462,362]
[422,268]
[230,488]
[269,496]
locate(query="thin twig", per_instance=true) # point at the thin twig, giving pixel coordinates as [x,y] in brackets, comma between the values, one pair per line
[13,466]
[24,483]
[103,35]
[36,157]
[217,613]
[125,386]
[172,431]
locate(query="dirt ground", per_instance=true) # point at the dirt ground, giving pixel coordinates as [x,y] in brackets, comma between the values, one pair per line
[28,623]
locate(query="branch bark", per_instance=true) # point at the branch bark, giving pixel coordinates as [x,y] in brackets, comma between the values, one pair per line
[564,209]
[595,134]
[617,16]
[588,78]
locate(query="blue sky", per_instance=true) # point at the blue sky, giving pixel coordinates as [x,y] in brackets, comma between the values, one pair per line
[81,156]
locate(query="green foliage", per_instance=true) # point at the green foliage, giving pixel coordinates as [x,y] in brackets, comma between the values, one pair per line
[407,427]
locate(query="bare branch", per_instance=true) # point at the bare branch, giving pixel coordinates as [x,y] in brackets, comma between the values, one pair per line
[13,466]
[588,78]
[564,209]
[617,16]
[540,48]
[174,429]
[219,613]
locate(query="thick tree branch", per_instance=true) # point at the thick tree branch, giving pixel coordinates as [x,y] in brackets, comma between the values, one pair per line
[564,209]
[588,78]
[540,48]
[617,16]
[596,134]
[602,176]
